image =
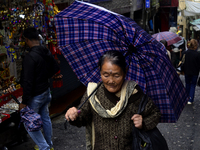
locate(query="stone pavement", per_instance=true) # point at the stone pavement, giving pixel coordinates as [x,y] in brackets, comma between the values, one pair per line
[183,135]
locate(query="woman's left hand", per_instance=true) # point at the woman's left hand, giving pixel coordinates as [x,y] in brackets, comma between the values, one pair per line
[137,120]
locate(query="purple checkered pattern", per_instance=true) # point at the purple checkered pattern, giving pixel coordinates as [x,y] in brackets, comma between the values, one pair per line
[85,32]
[170,37]
[31,119]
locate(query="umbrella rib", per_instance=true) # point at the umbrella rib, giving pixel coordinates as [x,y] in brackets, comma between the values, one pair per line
[95,41]
[90,95]
[106,26]
[87,73]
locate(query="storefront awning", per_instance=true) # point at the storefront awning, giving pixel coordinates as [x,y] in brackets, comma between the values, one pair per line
[188,13]
[192,7]
[196,28]
[195,22]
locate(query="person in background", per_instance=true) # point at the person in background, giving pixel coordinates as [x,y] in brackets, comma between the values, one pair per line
[191,68]
[36,91]
[175,56]
[164,42]
[177,48]
[110,114]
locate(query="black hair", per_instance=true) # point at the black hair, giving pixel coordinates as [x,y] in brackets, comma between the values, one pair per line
[31,33]
[115,57]
[164,42]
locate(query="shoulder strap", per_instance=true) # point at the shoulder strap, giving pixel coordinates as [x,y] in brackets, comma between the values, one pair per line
[143,103]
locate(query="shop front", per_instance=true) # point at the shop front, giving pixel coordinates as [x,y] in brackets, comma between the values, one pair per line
[167,14]
[15,16]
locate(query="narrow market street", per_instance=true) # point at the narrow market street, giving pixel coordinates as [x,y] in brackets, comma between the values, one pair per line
[183,135]
[76,33]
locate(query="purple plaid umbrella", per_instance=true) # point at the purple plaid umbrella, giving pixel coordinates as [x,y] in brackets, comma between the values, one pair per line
[170,37]
[85,32]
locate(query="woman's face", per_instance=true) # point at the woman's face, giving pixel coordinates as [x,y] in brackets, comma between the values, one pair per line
[112,76]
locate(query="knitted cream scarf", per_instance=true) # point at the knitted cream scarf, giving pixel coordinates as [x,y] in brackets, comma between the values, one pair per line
[128,88]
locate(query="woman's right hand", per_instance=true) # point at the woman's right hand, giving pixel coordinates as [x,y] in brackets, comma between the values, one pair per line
[72,114]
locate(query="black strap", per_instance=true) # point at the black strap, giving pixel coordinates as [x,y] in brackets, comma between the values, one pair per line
[143,103]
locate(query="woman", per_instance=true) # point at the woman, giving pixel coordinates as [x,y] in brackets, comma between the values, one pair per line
[191,68]
[110,113]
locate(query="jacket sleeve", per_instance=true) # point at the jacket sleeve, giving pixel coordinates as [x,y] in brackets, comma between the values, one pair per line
[85,115]
[151,115]
[28,78]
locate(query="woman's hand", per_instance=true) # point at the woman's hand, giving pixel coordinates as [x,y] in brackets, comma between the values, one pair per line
[72,114]
[137,120]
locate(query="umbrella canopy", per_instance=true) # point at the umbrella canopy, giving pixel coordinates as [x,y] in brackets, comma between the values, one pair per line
[85,32]
[170,37]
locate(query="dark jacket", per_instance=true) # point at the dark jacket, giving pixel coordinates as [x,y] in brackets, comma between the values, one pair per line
[34,75]
[192,62]
[116,133]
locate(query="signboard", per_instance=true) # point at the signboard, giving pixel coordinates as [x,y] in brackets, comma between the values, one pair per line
[154,3]
[138,4]
[147,5]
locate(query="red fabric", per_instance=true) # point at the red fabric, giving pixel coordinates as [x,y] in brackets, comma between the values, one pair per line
[5,98]
[5,117]
[174,3]
[164,17]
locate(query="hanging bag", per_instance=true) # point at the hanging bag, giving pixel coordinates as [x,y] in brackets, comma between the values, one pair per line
[147,140]
[32,120]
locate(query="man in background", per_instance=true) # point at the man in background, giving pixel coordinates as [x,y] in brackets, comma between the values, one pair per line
[36,91]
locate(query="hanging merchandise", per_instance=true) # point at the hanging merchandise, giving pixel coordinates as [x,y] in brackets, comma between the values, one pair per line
[15,16]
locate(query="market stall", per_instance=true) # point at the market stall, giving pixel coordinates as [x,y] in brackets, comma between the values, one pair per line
[10,119]
[15,16]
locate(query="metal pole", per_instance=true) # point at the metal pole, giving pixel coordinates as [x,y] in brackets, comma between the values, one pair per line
[144,15]
[132,11]
[154,23]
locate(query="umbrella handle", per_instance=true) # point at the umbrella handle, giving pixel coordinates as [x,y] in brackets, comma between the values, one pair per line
[65,124]
[79,111]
